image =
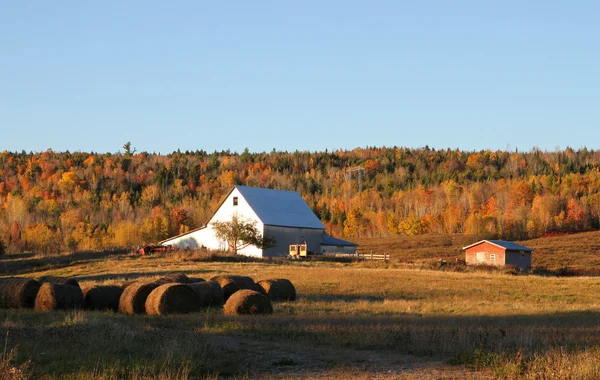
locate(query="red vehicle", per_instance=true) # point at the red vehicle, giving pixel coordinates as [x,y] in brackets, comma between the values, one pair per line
[147,249]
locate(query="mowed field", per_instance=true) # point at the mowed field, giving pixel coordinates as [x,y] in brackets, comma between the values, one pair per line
[351,320]
[580,252]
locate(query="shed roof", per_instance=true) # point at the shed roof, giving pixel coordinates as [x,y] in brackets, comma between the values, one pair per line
[329,240]
[280,207]
[508,245]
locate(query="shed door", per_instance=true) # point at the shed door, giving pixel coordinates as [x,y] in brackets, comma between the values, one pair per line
[481,257]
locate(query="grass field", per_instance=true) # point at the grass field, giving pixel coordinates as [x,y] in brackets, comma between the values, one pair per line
[352,320]
[579,252]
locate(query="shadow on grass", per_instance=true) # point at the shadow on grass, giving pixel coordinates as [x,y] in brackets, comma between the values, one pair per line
[215,344]
[29,262]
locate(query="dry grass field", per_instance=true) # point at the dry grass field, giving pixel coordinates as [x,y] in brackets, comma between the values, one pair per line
[351,320]
[578,252]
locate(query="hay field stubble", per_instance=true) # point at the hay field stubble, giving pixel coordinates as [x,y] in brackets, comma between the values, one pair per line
[348,320]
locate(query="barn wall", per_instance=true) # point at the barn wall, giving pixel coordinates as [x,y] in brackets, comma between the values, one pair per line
[285,236]
[206,236]
[350,249]
[480,254]
[519,261]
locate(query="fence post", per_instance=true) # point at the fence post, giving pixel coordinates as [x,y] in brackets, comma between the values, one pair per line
[371,255]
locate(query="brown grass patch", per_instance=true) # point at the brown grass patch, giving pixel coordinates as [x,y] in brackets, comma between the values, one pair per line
[58,297]
[133,299]
[172,298]
[247,302]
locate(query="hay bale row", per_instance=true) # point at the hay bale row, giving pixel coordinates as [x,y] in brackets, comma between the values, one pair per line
[59,280]
[103,297]
[209,293]
[247,302]
[58,297]
[278,289]
[17,292]
[173,298]
[133,299]
[231,284]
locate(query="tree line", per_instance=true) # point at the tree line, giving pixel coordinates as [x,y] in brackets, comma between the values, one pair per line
[62,201]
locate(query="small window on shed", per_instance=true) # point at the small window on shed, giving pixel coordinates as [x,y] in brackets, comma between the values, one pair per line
[235,201]
[522,253]
[492,257]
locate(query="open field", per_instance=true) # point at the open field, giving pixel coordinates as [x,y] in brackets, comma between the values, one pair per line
[579,252]
[349,321]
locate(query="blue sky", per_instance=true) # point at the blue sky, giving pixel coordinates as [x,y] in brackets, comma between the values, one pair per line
[306,75]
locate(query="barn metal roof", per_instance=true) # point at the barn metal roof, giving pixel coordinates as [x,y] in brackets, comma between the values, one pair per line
[330,240]
[280,207]
[509,245]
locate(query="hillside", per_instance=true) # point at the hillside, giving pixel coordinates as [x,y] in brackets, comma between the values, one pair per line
[62,201]
[579,251]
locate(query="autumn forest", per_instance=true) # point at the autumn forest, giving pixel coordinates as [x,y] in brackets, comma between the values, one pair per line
[61,201]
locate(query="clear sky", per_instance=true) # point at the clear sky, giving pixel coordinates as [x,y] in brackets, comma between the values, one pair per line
[306,75]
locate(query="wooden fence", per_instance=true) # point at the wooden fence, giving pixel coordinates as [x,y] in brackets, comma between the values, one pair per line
[371,256]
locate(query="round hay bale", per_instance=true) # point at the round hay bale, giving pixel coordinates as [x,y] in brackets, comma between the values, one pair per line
[179,278]
[193,280]
[231,284]
[59,280]
[126,284]
[247,302]
[278,289]
[209,293]
[103,297]
[172,299]
[58,297]
[18,292]
[133,299]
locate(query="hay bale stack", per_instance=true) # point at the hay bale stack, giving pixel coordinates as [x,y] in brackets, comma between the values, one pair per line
[209,293]
[59,280]
[179,278]
[103,297]
[231,284]
[172,298]
[58,297]
[247,302]
[133,299]
[194,280]
[278,289]
[18,292]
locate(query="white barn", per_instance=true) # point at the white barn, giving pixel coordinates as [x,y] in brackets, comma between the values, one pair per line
[280,214]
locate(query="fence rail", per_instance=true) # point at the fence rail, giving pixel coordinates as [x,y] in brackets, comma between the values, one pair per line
[371,256]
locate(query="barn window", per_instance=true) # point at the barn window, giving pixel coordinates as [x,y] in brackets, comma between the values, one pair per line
[522,253]
[235,201]
[492,257]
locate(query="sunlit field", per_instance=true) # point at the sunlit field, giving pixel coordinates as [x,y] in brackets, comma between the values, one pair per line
[360,320]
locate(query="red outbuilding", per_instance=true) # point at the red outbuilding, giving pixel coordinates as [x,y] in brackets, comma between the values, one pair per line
[499,253]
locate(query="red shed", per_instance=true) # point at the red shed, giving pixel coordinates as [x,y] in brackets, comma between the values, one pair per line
[499,253]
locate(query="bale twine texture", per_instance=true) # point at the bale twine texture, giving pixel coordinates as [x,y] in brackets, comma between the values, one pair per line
[172,298]
[133,299]
[126,284]
[174,278]
[209,293]
[103,297]
[231,284]
[59,280]
[58,297]
[18,292]
[247,302]
[278,289]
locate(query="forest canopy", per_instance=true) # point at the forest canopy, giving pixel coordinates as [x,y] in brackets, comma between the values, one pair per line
[61,201]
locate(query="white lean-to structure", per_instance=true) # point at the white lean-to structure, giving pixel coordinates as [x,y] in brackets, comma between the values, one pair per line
[282,215]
